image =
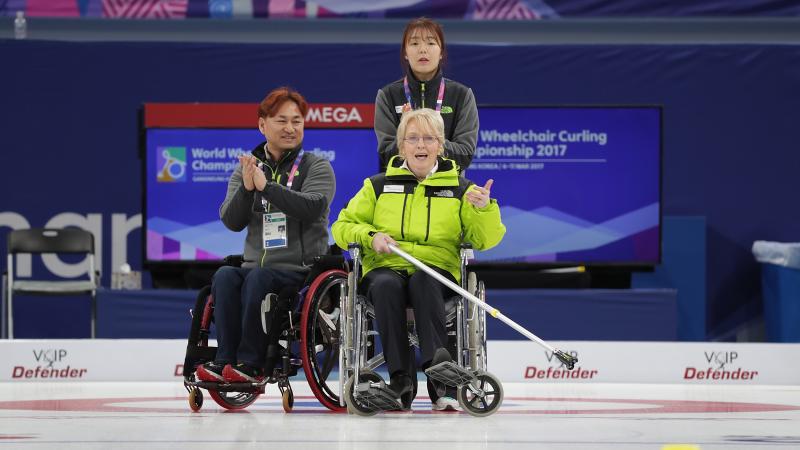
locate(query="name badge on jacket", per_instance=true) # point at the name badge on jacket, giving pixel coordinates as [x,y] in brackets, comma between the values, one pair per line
[274,234]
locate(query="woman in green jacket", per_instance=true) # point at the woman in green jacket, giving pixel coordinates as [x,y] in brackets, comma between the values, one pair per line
[421,205]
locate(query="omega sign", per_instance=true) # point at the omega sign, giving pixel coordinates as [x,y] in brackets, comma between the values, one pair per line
[340,115]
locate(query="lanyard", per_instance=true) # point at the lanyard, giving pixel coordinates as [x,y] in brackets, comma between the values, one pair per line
[296,164]
[438,99]
[290,180]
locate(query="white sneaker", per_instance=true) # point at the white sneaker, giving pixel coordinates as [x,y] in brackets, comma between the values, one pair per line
[445,404]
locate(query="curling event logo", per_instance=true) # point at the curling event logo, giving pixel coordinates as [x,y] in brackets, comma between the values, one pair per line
[170,164]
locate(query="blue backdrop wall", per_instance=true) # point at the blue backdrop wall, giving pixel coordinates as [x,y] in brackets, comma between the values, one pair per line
[69,126]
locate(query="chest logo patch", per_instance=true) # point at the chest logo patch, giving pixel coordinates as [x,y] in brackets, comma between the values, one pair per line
[447,193]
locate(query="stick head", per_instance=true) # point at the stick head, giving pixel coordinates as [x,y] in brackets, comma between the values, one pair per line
[568,360]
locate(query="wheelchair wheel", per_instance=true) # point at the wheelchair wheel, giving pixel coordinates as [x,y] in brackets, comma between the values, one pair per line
[197,349]
[196,338]
[288,400]
[234,400]
[481,405]
[353,406]
[320,344]
[195,399]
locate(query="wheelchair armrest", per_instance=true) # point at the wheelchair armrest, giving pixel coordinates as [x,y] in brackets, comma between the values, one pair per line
[353,245]
[466,245]
[233,260]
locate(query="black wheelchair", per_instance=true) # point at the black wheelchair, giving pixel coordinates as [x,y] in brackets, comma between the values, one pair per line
[307,325]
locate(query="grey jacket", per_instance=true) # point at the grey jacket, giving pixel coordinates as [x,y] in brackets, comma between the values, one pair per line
[306,205]
[459,111]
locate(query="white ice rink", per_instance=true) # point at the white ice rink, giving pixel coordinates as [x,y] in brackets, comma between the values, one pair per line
[156,415]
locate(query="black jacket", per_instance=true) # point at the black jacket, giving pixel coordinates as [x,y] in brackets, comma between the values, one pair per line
[459,112]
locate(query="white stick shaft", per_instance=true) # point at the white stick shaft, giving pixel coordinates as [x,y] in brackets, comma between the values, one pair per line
[483,305]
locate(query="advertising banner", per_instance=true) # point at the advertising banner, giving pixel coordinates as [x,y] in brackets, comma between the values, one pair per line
[510,361]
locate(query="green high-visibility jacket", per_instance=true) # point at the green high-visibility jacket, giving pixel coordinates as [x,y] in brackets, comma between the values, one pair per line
[428,219]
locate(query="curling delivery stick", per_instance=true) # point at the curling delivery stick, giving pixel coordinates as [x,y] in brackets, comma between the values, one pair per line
[568,360]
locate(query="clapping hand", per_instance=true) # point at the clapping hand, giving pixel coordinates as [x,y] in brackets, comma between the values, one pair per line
[252,176]
[249,167]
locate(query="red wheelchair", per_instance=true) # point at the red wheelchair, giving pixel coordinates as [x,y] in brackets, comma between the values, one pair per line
[309,337]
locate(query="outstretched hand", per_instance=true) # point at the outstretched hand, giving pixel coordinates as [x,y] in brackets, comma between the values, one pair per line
[479,196]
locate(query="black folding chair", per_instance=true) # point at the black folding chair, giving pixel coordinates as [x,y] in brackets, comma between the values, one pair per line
[58,241]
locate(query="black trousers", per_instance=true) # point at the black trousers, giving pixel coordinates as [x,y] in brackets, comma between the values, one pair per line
[391,292]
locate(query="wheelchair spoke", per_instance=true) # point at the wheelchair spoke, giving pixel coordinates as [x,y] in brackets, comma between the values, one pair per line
[476,399]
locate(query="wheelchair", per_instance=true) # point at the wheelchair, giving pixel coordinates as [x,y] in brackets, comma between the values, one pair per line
[306,334]
[364,392]
[327,329]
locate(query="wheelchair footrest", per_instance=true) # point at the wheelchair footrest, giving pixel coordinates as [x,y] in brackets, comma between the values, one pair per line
[450,374]
[229,387]
[377,397]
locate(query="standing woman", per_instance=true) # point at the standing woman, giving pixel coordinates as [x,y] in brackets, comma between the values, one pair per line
[423,54]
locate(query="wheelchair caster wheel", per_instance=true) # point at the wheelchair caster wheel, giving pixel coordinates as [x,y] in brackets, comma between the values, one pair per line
[353,405]
[195,399]
[483,396]
[288,401]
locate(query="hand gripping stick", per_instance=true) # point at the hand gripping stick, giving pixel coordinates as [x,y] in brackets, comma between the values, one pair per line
[568,360]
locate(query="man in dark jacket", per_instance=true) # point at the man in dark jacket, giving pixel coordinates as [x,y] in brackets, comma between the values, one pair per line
[282,196]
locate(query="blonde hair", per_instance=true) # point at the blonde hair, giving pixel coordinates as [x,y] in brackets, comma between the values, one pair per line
[427,120]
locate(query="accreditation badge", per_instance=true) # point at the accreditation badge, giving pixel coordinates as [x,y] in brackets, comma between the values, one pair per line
[274,234]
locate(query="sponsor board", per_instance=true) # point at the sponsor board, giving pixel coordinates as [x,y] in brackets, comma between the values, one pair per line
[511,361]
[648,362]
[240,115]
[346,115]
[91,360]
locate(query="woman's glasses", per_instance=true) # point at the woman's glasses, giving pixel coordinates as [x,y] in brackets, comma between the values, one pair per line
[428,140]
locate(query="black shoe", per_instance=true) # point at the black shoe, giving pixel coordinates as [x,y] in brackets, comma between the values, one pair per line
[400,384]
[438,389]
[403,387]
[441,355]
